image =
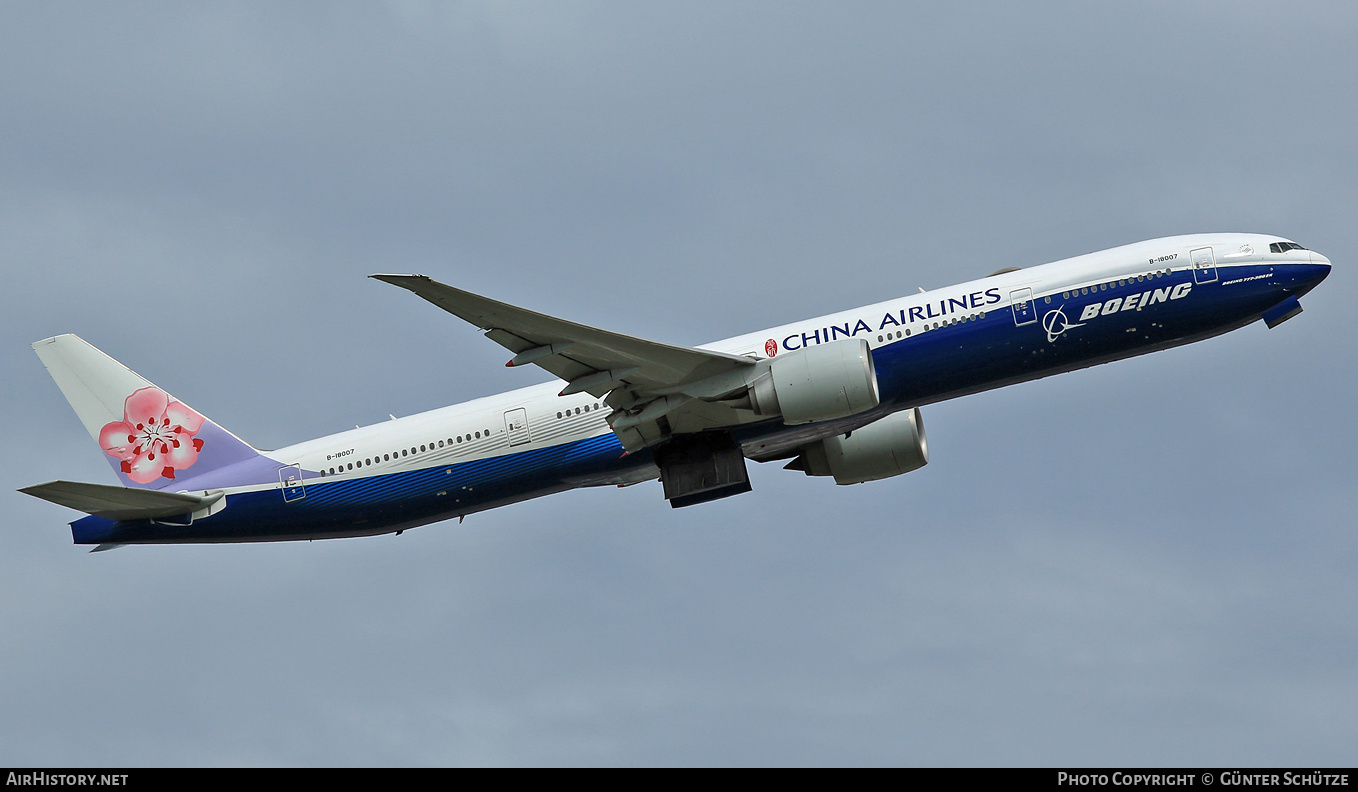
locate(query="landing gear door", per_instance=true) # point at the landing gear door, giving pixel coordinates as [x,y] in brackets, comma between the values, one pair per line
[1025,312]
[1204,265]
[516,426]
[290,481]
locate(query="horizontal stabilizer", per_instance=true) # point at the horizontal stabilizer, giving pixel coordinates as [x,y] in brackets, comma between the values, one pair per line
[119,503]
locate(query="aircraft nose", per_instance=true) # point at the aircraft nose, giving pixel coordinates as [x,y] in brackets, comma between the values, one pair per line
[1310,275]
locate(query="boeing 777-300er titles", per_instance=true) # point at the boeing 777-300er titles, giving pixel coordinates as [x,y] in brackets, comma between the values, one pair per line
[838,396]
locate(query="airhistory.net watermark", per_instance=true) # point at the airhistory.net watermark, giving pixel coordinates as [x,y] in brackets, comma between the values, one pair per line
[66,779]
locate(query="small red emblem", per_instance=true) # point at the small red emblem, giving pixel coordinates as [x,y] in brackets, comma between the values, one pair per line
[770,347]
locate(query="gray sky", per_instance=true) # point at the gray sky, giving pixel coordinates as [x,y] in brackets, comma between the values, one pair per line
[1145,563]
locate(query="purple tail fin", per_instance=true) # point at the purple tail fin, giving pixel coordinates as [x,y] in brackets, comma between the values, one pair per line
[152,440]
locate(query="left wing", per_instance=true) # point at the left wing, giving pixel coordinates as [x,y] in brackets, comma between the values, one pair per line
[120,503]
[645,381]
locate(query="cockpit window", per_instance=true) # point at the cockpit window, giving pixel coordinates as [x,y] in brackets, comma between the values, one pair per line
[1283,247]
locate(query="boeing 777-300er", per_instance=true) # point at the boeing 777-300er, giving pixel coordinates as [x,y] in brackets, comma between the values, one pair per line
[839,396]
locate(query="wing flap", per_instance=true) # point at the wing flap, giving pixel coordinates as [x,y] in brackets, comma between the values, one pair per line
[119,503]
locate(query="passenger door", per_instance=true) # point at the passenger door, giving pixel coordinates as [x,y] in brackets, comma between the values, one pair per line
[1204,265]
[1024,310]
[516,426]
[290,481]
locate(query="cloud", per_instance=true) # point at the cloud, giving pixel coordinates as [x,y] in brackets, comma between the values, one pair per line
[1144,563]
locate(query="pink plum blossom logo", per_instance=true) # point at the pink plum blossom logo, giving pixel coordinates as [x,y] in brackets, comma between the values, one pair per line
[155,437]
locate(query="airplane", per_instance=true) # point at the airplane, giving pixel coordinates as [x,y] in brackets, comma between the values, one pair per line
[837,396]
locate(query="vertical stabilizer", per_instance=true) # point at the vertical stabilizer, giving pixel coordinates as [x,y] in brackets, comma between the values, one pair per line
[151,439]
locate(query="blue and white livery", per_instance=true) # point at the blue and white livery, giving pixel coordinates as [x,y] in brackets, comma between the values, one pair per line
[836,396]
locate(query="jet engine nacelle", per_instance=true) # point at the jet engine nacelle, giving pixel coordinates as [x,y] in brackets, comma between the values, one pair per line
[818,383]
[882,449]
